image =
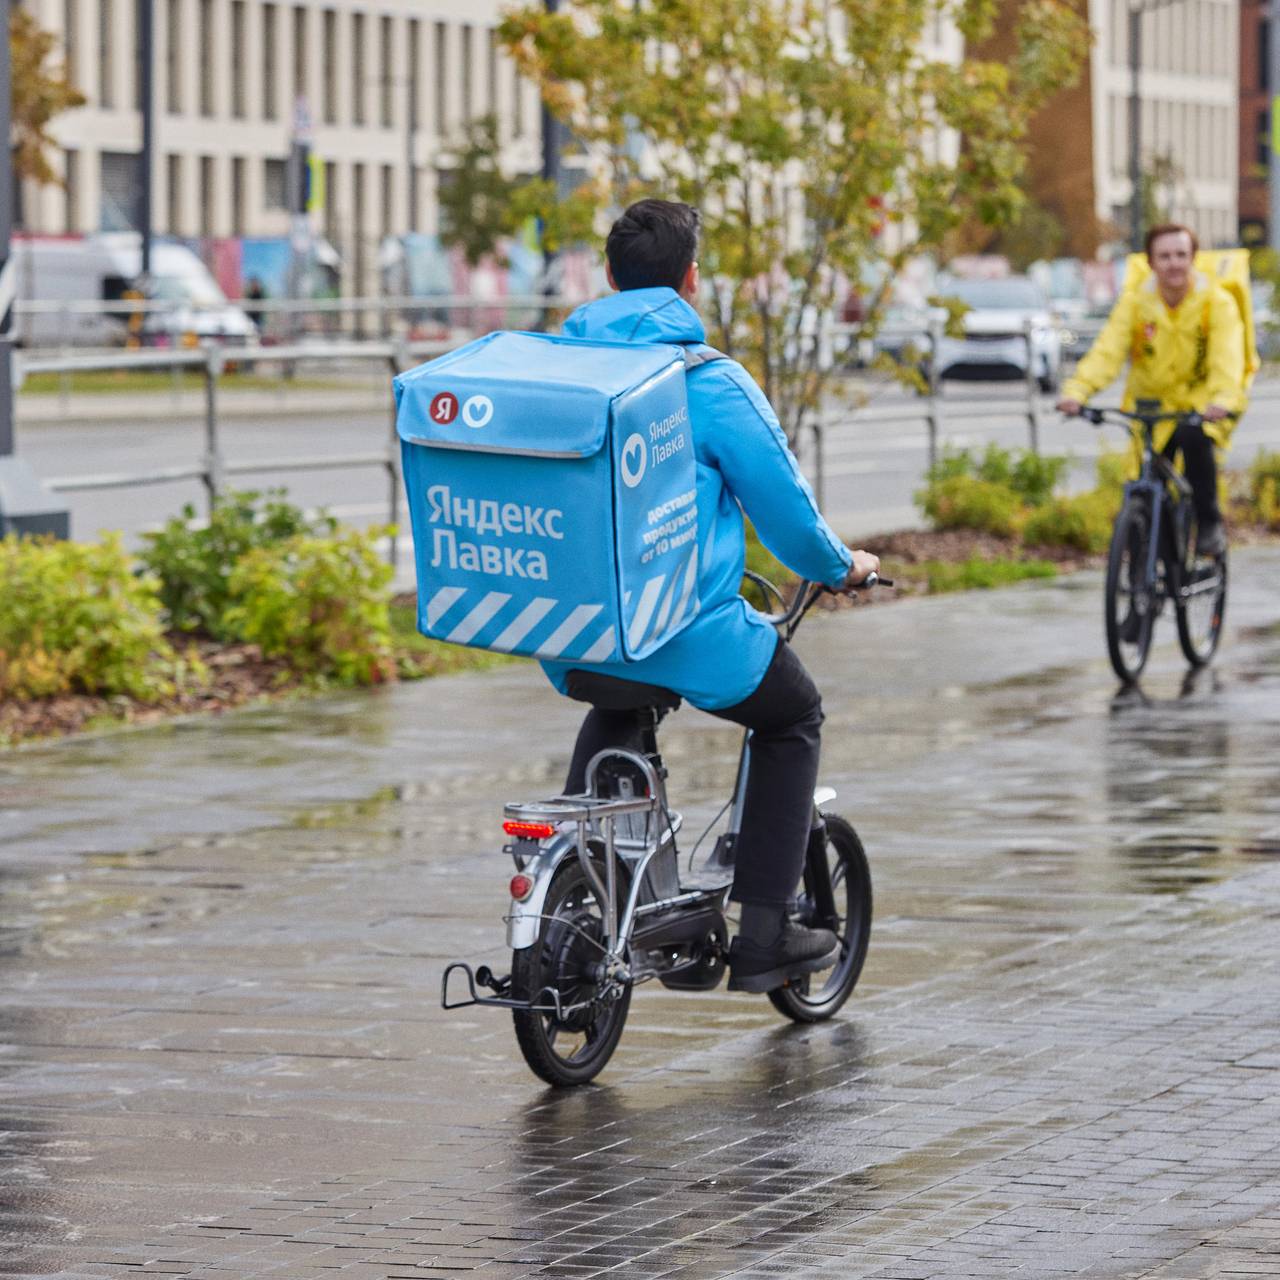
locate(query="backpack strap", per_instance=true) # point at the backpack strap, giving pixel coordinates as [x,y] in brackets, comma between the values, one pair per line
[706,354]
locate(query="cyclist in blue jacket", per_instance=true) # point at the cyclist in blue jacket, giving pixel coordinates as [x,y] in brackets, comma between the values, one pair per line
[728,661]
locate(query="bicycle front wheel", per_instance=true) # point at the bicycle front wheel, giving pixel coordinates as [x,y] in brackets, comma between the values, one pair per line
[1129,599]
[816,996]
[1201,611]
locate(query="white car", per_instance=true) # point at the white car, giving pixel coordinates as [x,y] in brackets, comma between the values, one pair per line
[995,342]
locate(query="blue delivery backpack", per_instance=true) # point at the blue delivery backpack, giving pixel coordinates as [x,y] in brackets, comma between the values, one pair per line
[553,495]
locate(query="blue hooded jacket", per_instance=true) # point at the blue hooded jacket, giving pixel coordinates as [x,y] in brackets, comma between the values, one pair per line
[743,464]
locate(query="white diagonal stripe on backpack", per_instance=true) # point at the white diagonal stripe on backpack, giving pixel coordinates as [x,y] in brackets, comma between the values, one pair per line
[482,613]
[442,602]
[560,639]
[690,581]
[664,612]
[602,649]
[644,610]
[525,621]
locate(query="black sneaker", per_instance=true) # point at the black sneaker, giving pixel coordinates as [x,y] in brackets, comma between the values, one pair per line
[796,952]
[1211,540]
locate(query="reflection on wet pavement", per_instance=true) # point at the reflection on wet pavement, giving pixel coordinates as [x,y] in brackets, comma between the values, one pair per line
[221,947]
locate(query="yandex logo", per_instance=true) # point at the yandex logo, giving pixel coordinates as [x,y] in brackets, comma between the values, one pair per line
[444,407]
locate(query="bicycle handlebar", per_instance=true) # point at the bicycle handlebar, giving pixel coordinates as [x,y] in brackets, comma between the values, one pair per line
[1123,417]
[807,593]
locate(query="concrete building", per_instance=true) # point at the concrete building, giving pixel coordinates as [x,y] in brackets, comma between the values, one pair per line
[387,87]
[1189,81]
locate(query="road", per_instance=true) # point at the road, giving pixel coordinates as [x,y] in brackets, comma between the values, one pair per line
[223,941]
[873,461]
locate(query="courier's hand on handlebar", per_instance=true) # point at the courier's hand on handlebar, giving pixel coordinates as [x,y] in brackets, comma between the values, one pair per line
[1070,407]
[865,566]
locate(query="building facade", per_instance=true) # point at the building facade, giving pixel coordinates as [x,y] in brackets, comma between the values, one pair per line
[1255,126]
[387,90]
[1189,88]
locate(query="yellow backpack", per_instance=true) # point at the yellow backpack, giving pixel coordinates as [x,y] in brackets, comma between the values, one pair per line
[1230,268]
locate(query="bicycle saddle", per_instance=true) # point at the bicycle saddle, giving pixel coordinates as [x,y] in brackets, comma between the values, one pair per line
[611,694]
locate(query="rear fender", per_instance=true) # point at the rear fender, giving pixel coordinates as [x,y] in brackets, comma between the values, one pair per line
[525,917]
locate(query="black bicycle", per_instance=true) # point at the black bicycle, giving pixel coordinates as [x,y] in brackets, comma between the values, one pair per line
[1153,555]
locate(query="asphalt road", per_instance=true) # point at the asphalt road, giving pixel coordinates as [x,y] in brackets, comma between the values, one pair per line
[873,460]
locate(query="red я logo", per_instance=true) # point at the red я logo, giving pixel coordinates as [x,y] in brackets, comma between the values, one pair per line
[444,407]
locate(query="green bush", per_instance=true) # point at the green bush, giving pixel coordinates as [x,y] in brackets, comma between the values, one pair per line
[74,617]
[963,502]
[319,602]
[1264,487]
[1114,469]
[1082,521]
[194,564]
[976,572]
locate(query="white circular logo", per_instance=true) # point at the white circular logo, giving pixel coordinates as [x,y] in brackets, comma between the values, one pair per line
[634,458]
[476,411]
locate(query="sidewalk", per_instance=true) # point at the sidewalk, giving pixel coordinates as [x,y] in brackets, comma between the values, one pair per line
[223,943]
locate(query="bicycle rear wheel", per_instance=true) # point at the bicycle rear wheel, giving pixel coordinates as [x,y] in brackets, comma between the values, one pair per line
[1200,614]
[571,1047]
[817,996]
[1129,601]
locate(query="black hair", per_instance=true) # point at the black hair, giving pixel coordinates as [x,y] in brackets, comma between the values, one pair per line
[652,244]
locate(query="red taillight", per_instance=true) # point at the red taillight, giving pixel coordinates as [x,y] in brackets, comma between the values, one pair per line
[521,887]
[529,830]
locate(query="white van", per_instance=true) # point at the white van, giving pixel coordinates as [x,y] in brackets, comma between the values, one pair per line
[63,282]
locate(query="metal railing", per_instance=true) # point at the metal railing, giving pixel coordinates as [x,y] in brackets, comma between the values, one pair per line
[212,468]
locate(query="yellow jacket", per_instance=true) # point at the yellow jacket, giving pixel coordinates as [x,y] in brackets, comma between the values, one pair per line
[1187,357]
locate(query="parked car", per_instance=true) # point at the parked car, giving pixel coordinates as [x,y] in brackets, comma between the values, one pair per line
[56,272]
[994,343]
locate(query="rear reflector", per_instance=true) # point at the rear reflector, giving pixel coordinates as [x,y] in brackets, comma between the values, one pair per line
[521,887]
[529,830]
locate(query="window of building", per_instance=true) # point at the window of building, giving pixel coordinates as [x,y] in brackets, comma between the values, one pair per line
[1264,54]
[237,59]
[330,57]
[386,83]
[517,102]
[330,201]
[106,54]
[357,68]
[71,191]
[237,196]
[118,186]
[1264,139]
[415,72]
[275,183]
[492,73]
[270,85]
[299,52]
[71,38]
[388,199]
[206,57]
[173,193]
[206,196]
[442,79]
[173,57]
[468,75]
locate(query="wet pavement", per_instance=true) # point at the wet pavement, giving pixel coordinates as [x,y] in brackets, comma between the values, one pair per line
[221,944]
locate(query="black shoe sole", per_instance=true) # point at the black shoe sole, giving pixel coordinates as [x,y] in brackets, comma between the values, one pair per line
[772,979]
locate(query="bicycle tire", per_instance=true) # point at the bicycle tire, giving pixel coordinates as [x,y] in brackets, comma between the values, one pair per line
[1128,632]
[851,873]
[1198,647]
[567,942]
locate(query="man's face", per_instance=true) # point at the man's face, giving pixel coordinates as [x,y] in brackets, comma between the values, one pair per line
[1171,258]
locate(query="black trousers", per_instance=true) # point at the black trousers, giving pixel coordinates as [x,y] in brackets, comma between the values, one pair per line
[784,715]
[1201,467]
